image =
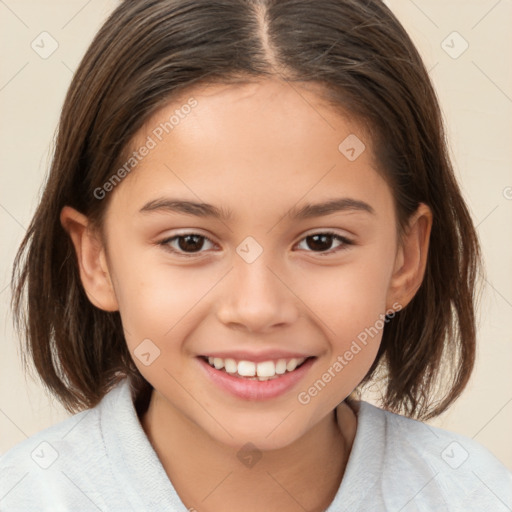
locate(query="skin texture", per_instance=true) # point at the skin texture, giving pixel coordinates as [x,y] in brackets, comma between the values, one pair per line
[259,150]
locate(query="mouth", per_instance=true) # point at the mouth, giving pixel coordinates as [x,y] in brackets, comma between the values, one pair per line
[260,371]
[251,380]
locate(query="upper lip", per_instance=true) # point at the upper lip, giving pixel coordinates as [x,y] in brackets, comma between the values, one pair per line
[258,357]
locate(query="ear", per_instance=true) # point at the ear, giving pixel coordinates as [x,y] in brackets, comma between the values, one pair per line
[411,258]
[90,252]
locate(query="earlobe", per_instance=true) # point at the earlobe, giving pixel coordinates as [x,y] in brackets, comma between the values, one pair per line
[411,258]
[90,253]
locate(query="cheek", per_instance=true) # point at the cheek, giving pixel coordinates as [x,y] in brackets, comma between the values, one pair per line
[158,301]
[349,297]
[159,309]
[351,316]
[349,302]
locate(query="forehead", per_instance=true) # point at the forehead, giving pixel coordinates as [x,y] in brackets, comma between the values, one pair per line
[252,143]
[255,115]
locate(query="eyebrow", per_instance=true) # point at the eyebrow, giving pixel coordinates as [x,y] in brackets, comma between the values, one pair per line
[306,211]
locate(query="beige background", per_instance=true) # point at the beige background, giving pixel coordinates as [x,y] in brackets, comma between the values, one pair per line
[475,91]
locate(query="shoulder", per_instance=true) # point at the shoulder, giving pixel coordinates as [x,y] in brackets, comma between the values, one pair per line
[55,464]
[437,466]
[45,447]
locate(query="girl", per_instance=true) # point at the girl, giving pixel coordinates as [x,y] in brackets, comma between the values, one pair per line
[250,214]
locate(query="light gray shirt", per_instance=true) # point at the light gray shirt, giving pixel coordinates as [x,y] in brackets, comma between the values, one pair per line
[102,460]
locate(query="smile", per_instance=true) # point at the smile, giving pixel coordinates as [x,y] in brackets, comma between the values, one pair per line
[250,380]
[261,371]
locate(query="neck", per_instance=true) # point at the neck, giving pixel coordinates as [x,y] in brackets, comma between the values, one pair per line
[211,477]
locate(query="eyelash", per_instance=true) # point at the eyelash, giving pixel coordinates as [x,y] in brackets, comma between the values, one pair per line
[345,243]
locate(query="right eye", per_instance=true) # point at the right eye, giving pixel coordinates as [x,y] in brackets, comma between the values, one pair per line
[186,244]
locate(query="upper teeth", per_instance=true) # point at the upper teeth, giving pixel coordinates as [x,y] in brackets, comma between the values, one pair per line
[264,369]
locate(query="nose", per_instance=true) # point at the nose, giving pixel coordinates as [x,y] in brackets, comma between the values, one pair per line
[256,298]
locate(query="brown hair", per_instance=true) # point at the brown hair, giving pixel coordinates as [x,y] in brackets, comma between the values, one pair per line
[150,51]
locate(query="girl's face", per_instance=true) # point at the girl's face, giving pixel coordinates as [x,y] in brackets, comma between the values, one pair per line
[262,272]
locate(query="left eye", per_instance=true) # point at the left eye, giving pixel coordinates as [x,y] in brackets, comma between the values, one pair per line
[319,241]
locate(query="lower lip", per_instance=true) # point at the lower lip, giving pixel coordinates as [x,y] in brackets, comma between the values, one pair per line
[254,389]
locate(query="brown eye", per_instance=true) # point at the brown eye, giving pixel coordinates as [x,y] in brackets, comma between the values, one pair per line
[322,242]
[187,244]
[190,243]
